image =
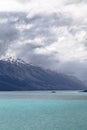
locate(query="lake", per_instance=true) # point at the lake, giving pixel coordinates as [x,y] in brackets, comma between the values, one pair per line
[43,110]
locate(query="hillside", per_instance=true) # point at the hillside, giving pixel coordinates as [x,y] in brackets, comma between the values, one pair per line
[17,75]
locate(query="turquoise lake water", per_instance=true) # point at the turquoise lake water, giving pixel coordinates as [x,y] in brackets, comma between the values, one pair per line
[42,114]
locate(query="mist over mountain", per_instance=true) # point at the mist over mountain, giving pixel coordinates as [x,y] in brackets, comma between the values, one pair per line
[17,75]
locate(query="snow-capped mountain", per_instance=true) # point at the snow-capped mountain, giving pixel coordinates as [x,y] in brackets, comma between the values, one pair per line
[18,75]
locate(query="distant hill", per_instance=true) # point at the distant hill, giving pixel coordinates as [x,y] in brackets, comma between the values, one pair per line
[17,75]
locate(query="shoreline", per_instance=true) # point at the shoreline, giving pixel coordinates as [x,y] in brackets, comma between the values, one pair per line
[62,95]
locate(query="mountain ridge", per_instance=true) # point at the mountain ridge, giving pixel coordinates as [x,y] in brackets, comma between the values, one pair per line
[16,75]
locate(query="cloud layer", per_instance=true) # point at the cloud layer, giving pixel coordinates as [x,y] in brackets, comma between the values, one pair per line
[52,34]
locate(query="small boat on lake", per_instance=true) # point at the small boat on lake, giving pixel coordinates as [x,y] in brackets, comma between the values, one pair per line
[53,91]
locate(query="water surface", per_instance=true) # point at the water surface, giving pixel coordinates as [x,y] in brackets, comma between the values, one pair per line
[43,111]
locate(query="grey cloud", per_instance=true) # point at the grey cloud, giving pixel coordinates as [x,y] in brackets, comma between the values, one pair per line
[24,1]
[8,33]
[76,68]
[46,61]
[41,27]
[76,1]
[26,51]
[3,48]
[50,20]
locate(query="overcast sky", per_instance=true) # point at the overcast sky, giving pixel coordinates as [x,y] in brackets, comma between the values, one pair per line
[49,33]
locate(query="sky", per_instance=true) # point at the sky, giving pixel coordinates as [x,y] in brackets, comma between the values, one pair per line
[48,33]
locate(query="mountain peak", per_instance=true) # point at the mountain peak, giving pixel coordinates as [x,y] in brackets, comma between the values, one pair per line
[9,59]
[13,60]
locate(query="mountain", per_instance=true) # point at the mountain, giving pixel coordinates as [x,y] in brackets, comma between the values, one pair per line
[17,75]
